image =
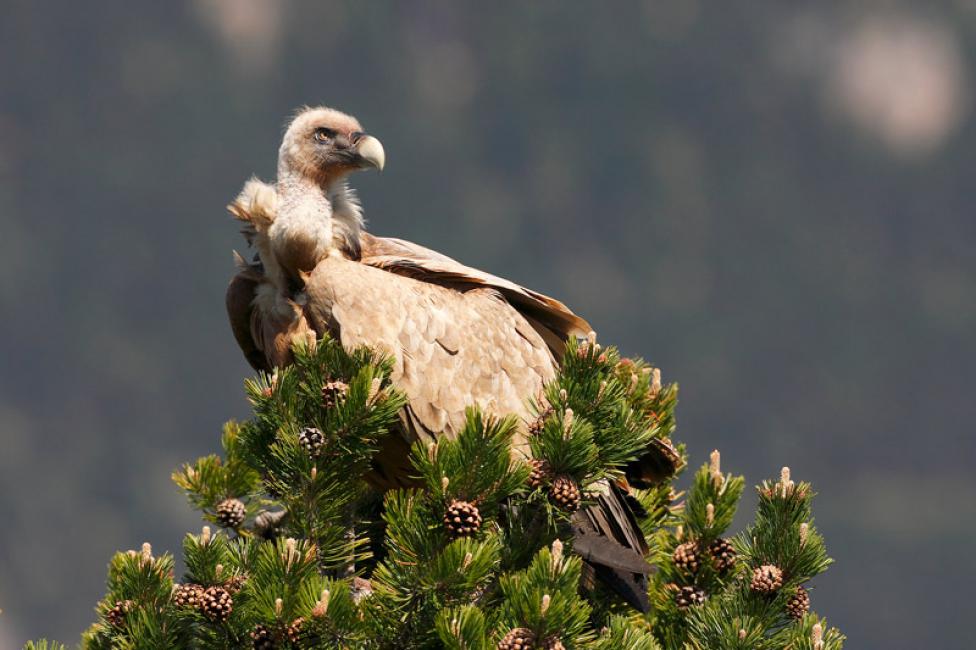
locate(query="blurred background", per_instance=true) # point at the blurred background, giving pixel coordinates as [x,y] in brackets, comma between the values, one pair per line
[772,201]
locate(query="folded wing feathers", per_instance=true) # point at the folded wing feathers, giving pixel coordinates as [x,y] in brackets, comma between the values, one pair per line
[543,310]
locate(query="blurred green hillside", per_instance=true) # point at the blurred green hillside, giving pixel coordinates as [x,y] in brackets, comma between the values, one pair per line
[772,201]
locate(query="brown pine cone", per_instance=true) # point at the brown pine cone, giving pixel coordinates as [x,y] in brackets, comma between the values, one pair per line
[541,474]
[217,604]
[687,557]
[116,615]
[188,596]
[312,440]
[766,579]
[553,643]
[798,604]
[462,519]
[689,596]
[334,392]
[565,493]
[235,583]
[231,513]
[263,638]
[535,428]
[723,554]
[295,632]
[519,638]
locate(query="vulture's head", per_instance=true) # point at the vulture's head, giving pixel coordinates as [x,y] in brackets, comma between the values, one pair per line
[326,145]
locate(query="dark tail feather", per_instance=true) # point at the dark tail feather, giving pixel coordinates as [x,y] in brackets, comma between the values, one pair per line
[632,587]
[607,537]
[659,462]
[240,294]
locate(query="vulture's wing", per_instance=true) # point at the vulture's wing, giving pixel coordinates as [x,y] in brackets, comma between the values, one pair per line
[554,321]
[265,324]
[240,295]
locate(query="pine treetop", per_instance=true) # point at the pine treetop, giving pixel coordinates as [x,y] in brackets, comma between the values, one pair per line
[478,551]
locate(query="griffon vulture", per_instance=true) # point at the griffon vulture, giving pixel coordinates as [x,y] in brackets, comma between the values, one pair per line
[458,336]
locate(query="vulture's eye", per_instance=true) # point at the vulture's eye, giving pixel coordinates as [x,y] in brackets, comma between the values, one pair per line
[323,134]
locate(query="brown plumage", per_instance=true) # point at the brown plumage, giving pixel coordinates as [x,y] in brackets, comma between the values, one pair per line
[458,336]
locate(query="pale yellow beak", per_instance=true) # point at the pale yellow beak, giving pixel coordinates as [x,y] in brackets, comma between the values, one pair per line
[371,151]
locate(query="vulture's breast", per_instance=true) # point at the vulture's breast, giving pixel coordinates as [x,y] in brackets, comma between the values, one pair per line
[299,241]
[451,347]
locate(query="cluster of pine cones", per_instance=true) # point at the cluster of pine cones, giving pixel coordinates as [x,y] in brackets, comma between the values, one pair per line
[521,638]
[687,556]
[116,615]
[265,638]
[462,518]
[689,596]
[215,602]
[563,490]
[766,579]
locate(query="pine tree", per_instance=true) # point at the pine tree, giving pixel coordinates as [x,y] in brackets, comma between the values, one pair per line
[477,554]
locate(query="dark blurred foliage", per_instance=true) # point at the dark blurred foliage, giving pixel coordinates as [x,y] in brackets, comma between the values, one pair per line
[773,201]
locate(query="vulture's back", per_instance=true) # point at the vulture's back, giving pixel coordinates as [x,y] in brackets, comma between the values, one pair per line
[451,348]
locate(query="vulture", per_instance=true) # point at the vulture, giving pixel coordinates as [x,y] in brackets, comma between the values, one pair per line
[458,336]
